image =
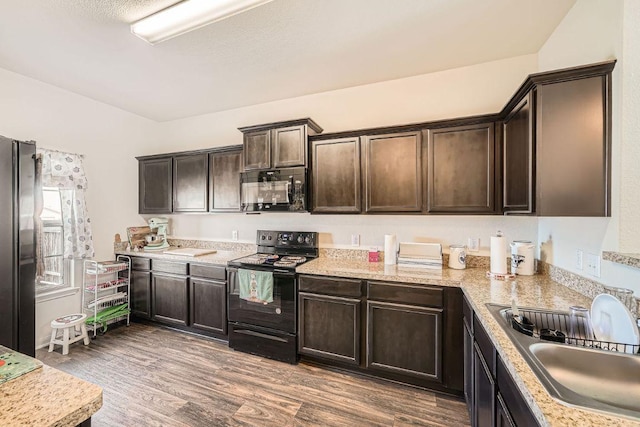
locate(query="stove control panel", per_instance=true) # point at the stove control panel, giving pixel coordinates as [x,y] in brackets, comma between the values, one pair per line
[287,239]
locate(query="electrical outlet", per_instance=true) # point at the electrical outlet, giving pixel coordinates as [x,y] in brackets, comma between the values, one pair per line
[473,244]
[355,240]
[593,265]
[234,235]
[579,259]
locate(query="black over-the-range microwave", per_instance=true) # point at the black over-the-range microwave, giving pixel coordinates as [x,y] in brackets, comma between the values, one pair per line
[276,190]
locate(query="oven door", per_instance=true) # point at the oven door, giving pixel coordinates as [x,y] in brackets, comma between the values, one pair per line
[279,314]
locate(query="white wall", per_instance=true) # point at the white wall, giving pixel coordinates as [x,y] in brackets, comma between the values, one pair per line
[630,150]
[595,31]
[472,90]
[109,138]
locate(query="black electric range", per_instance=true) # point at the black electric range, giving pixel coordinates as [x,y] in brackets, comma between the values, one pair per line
[269,327]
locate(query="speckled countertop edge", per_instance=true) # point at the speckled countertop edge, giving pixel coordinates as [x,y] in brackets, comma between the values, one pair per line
[48,397]
[529,291]
[631,260]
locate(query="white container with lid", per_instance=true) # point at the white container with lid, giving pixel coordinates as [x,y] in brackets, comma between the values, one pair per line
[523,258]
[457,257]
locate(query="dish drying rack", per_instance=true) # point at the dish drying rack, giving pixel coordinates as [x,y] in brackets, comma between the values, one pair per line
[105,292]
[555,326]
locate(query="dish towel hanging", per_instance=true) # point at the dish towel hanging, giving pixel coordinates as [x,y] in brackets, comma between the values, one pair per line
[256,286]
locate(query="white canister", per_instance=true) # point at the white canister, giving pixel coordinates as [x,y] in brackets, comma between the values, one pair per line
[522,257]
[457,257]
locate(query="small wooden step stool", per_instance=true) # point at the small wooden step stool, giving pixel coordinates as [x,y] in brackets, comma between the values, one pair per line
[71,325]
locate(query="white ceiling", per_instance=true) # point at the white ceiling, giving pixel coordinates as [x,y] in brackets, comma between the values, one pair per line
[283,49]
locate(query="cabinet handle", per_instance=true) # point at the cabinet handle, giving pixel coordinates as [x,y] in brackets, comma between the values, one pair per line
[258,334]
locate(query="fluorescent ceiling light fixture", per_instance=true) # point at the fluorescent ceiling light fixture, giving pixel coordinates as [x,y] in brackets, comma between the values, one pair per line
[188,15]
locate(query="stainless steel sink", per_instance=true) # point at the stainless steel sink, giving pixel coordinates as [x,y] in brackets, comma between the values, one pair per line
[593,379]
[612,379]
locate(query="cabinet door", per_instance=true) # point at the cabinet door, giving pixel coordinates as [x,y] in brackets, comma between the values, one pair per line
[573,160]
[208,305]
[141,293]
[515,406]
[155,186]
[336,176]
[290,146]
[405,339]
[224,184]
[461,169]
[257,150]
[483,391]
[190,183]
[393,172]
[169,299]
[329,327]
[517,145]
[503,419]
[468,368]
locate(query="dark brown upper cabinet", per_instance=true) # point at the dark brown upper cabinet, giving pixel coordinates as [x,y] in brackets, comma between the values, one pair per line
[573,162]
[518,154]
[335,169]
[224,180]
[461,173]
[190,185]
[155,185]
[393,172]
[277,145]
[257,150]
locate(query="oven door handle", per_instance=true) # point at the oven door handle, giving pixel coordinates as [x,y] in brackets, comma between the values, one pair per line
[258,334]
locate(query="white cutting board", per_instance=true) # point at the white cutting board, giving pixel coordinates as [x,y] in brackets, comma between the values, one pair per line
[190,252]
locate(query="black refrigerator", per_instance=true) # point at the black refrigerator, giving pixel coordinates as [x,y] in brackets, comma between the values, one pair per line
[17,245]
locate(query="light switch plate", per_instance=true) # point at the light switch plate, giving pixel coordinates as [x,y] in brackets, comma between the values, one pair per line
[593,265]
[579,259]
[355,240]
[234,235]
[473,244]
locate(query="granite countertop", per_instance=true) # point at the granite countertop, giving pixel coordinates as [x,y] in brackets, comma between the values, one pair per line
[221,257]
[528,291]
[48,397]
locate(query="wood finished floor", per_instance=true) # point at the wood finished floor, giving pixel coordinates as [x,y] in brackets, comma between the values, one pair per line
[154,376]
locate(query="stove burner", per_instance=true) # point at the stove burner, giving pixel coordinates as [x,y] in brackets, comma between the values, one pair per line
[294,259]
[283,263]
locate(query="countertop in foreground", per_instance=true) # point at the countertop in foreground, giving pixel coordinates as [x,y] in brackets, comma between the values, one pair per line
[528,291]
[47,397]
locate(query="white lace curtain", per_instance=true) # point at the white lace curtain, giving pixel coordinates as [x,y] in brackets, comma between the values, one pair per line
[65,171]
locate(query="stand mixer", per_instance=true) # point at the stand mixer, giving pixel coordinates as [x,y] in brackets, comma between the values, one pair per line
[161,228]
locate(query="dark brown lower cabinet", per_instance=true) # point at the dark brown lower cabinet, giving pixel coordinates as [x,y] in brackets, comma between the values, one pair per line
[404,339]
[468,366]
[503,419]
[208,305]
[329,327]
[170,298]
[141,293]
[483,391]
[492,396]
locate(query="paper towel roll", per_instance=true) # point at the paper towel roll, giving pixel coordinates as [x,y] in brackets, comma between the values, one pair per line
[390,249]
[498,254]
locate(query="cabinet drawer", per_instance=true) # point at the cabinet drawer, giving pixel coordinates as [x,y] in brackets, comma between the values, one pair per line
[170,267]
[485,345]
[331,286]
[138,263]
[208,271]
[405,294]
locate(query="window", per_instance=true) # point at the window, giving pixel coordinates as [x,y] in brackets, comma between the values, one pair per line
[55,266]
